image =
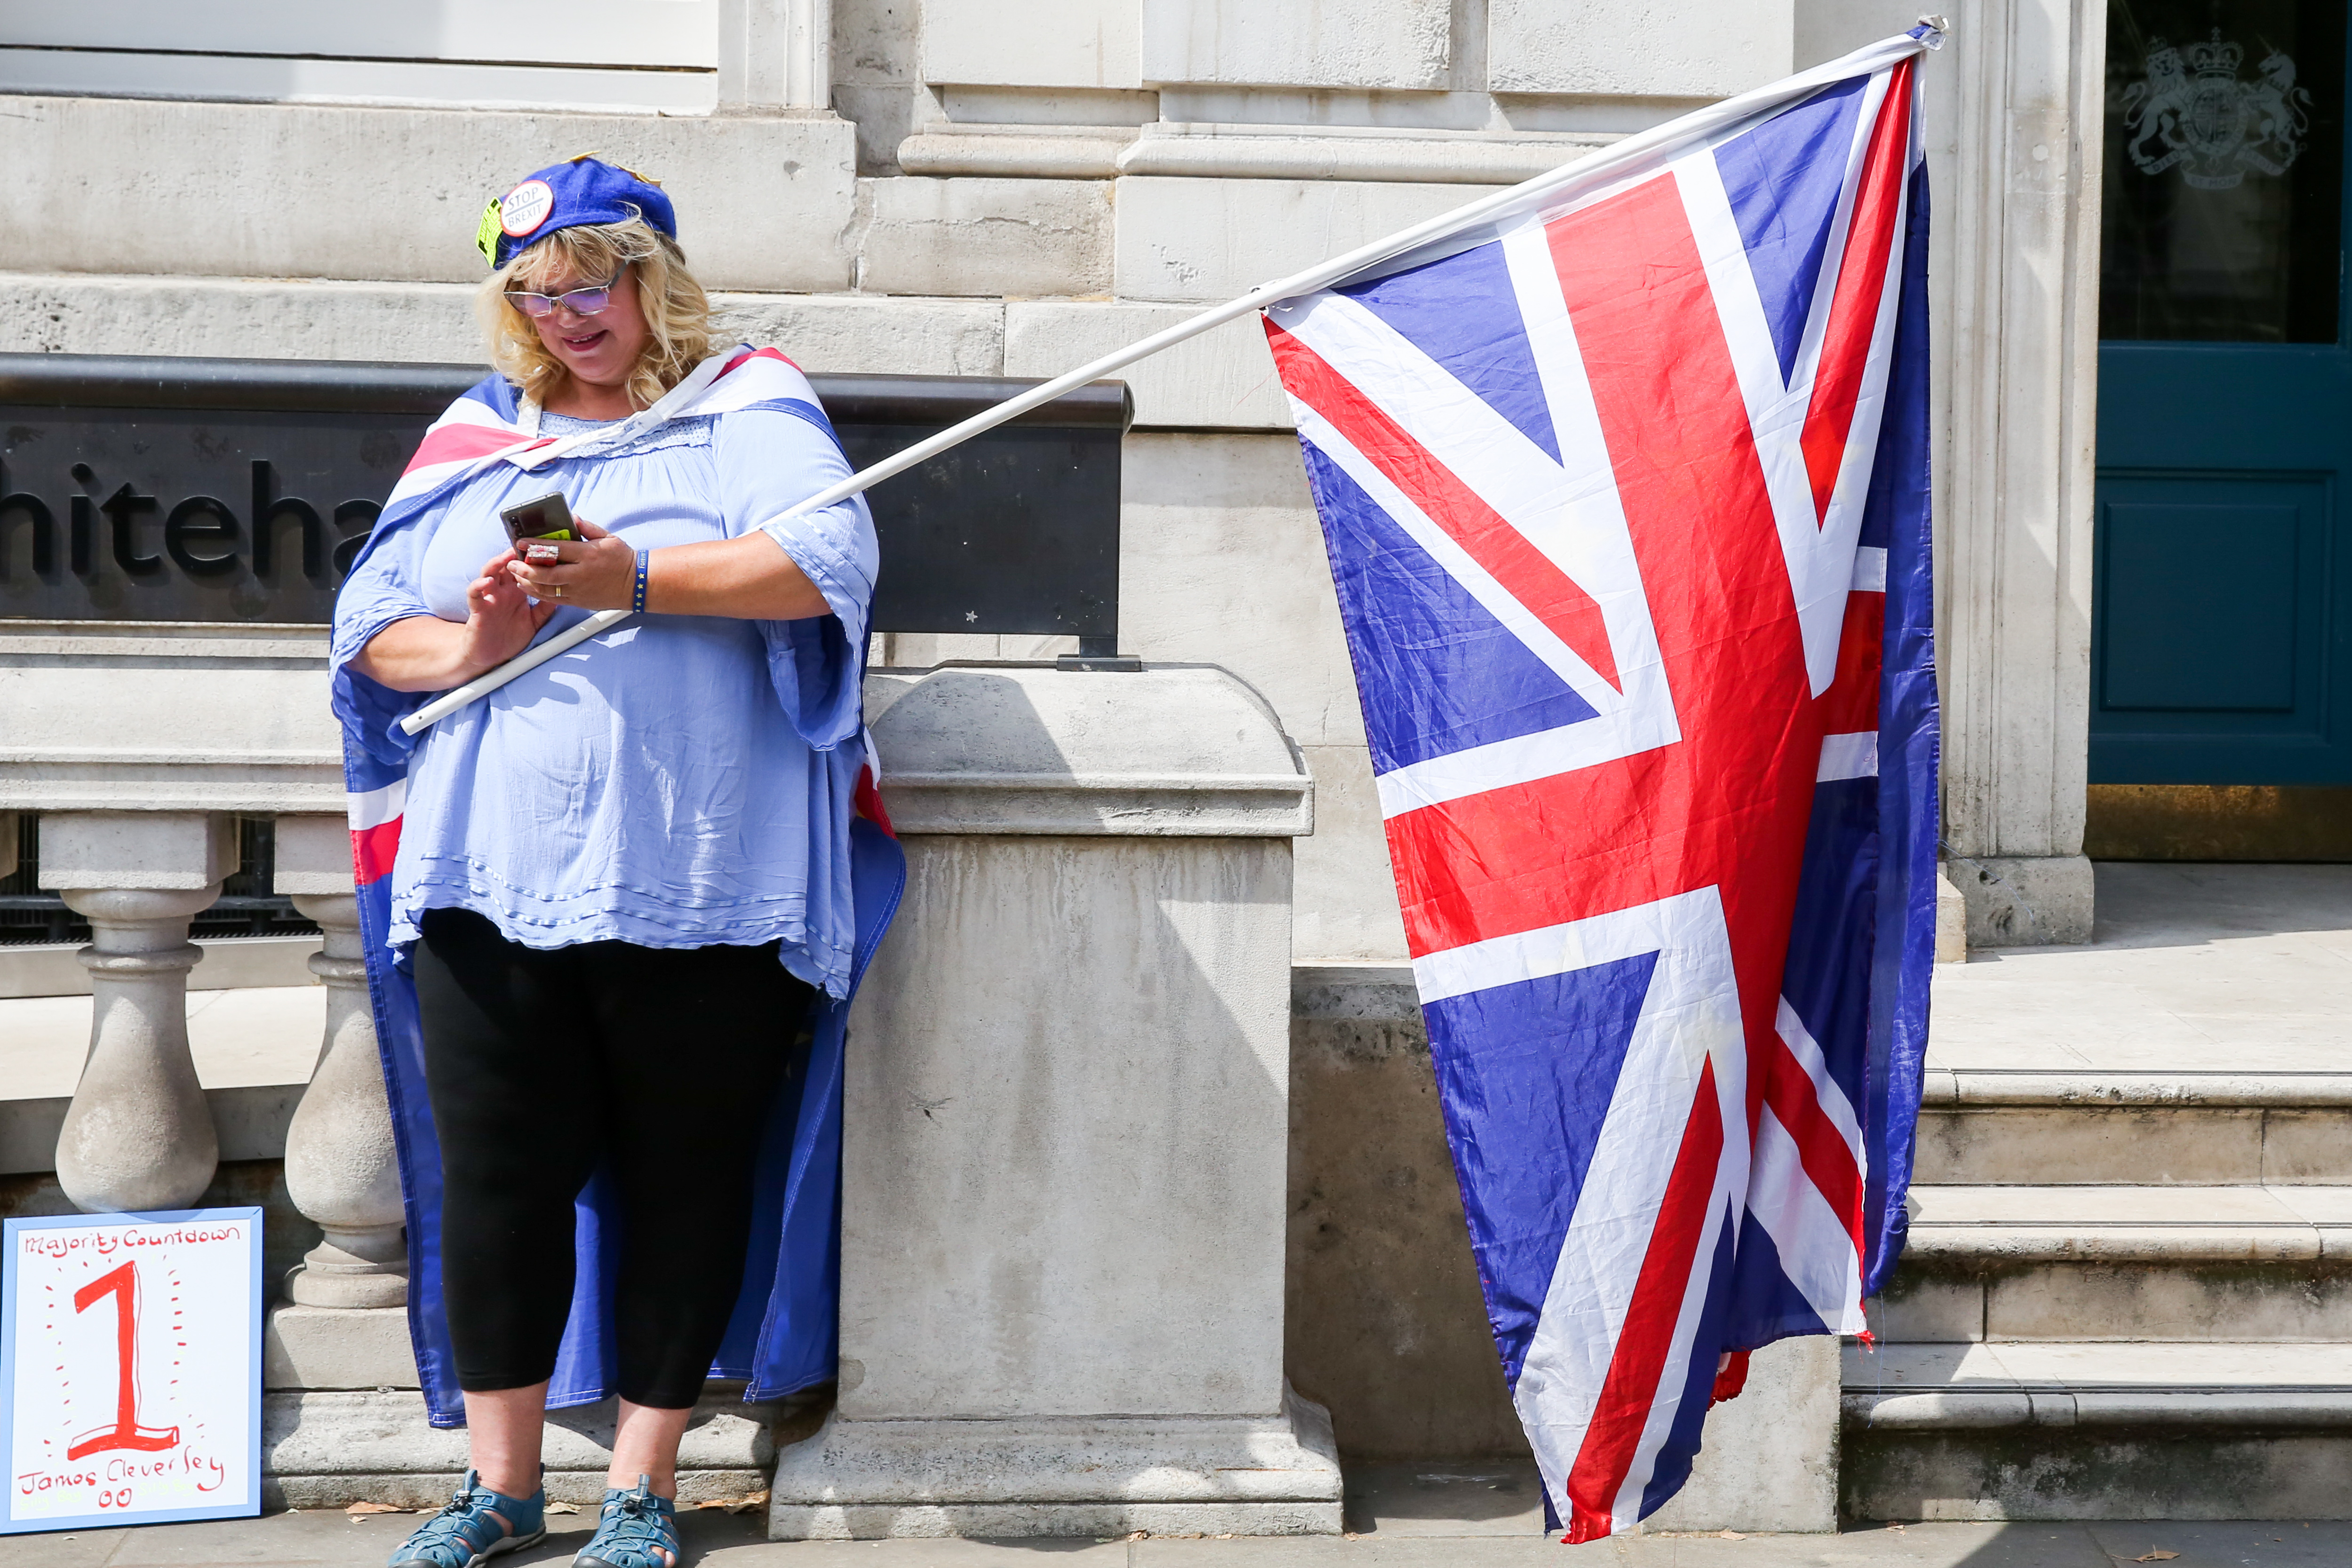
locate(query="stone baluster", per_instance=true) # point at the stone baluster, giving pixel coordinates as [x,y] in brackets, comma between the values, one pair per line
[340,1168]
[139,1135]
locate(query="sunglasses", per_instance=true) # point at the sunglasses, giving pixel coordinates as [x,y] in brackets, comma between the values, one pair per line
[579,301]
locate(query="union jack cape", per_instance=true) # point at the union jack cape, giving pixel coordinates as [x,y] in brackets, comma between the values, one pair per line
[1626,497]
[782,1335]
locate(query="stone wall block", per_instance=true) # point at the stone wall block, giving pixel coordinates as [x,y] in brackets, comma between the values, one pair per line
[232,317]
[1194,503]
[1222,380]
[1346,903]
[1302,43]
[1209,240]
[328,1347]
[1192,506]
[762,201]
[1609,48]
[222,718]
[918,236]
[1041,43]
[433,323]
[853,334]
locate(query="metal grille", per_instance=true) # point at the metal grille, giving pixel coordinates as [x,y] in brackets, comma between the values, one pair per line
[246,907]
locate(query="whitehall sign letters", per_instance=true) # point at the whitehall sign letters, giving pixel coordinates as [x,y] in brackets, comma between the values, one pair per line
[131,1368]
[241,490]
[204,511]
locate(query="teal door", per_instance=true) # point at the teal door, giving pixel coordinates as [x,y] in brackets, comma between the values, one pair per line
[2222,620]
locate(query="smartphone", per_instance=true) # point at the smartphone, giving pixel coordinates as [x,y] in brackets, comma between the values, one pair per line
[548,517]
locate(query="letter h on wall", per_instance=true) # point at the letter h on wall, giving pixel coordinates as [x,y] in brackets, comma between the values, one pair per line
[267,513]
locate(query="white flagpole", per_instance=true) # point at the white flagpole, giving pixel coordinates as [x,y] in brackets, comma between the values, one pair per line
[1594,167]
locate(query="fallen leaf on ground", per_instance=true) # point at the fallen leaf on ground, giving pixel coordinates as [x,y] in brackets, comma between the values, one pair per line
[2159,1555]
[561,1508]
[1733,1535]
[360,1507]
[748,1501]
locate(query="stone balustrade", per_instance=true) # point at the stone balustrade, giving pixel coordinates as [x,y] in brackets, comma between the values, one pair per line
[139,1135]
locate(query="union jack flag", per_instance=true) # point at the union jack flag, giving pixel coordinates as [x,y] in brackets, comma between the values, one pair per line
[1625,493]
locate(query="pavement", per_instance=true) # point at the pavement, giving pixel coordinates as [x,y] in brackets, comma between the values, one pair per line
[1430,1515]
[2239,969]
[722,1541]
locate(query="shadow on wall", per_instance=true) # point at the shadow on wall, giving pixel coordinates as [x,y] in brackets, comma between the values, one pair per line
[1385,1324]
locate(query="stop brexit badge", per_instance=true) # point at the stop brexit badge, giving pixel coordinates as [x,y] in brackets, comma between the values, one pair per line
[131,1368]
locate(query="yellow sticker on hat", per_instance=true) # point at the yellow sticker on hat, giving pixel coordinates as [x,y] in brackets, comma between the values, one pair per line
[485,233]
[526,207]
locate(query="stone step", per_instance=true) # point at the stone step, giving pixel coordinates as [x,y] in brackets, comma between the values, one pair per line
[2122,1263]
[2145,1430]
[2112,1128]
[331,1449]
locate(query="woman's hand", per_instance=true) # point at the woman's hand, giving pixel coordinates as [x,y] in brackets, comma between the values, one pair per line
[500,620]
[748,577]
[596,571]
[427,654]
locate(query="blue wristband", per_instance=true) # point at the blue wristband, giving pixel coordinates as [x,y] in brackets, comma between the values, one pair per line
[637,599]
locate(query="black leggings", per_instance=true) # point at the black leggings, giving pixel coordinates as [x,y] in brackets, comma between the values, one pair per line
[660,1063]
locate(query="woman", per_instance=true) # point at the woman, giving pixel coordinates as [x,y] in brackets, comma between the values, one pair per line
[622,878]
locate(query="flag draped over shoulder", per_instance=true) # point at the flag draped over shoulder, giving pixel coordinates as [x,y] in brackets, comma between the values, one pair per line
[782,1335]
[1625,492]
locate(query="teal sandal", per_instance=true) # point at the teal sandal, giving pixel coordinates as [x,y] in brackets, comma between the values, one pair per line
[637,1528]
[477,1525]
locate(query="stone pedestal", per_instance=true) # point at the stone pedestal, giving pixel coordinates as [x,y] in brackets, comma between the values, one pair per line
[139,1137]
[342,1169]
[1066,1125]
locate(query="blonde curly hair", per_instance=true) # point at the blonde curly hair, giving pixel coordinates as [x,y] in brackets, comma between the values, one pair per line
[676,310]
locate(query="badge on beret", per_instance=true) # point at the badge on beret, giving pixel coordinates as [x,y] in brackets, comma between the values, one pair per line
[485,233]
[526,207]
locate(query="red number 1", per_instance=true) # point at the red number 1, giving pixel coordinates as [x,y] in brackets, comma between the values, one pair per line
[122,1284]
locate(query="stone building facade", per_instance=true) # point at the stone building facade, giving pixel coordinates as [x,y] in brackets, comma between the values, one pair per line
[953,188]
[944,186]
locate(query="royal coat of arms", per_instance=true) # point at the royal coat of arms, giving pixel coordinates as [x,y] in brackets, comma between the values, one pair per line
[2194,111]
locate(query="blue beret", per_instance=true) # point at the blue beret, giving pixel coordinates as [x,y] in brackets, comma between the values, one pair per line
[583,190]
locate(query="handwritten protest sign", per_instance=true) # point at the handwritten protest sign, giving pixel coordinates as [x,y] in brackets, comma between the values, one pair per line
[131,1368]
